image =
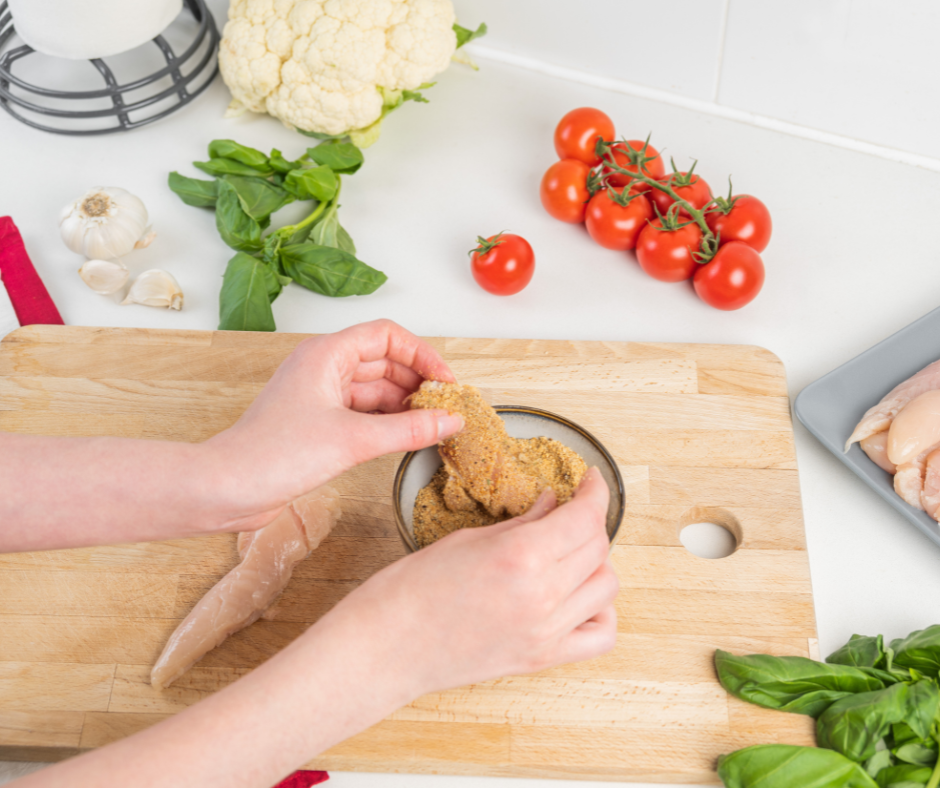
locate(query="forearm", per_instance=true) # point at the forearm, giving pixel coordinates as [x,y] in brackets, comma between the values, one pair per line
[73,492]
[336,680]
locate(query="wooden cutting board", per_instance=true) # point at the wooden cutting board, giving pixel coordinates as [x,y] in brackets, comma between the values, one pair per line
[700,432]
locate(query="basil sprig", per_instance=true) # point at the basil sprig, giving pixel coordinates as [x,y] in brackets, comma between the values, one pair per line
[877,713]
[316,253]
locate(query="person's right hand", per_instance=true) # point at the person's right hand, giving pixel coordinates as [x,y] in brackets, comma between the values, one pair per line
[515,597]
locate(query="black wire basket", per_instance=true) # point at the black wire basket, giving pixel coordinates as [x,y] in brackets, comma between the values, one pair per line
[119,106]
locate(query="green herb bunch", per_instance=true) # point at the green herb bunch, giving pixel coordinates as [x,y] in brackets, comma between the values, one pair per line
[877,713]
[316,253]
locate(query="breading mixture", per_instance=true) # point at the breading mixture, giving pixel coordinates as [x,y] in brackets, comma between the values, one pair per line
[487,476]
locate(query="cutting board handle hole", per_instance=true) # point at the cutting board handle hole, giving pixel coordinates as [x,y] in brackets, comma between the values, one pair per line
[709,532]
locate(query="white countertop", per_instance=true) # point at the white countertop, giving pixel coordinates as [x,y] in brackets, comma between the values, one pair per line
[853,258]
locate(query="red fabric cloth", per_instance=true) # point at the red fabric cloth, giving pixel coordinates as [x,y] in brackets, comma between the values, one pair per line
[303,779]
[28,294]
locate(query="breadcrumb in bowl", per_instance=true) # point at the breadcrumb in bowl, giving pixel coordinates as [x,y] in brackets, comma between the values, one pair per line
[417,469]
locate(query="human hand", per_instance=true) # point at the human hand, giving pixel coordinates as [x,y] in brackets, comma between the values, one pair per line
[515,597]
[335,402]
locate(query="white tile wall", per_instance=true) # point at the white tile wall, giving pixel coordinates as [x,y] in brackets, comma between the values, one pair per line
[868,69]
[671,44]
[865,69]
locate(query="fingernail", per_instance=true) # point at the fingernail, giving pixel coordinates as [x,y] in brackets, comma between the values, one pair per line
[448,424]
[588,474]
[546,501]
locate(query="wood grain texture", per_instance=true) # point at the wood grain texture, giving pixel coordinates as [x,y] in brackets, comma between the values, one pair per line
[700,432]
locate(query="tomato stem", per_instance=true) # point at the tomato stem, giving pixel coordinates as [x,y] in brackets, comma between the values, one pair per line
[486,245]
[709,244]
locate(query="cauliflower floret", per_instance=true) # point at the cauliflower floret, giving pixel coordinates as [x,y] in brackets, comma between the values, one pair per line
[326,65]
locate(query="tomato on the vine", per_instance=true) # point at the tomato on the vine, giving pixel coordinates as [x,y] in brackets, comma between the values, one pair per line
[613,225]
[502,264]
[667,254]
[577,134]
[564,190]
[732,278]
[691,188]
[653,168]
[747,220]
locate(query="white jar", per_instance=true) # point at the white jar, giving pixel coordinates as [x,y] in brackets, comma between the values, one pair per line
[84,29]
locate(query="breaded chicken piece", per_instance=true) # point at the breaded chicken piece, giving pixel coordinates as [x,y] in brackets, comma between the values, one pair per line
[480,459]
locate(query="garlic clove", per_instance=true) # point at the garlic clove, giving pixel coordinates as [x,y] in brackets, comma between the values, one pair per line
[155,288]
[104,223]
[146,239]
[104,276]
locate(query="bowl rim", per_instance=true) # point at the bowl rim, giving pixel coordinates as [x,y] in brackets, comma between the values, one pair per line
[412,546]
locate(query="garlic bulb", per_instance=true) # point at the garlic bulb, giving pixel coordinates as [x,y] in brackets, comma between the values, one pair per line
[104,276]
[105,223]
[155,288]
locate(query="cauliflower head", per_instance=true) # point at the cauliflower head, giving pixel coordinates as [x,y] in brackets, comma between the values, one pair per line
[328,66]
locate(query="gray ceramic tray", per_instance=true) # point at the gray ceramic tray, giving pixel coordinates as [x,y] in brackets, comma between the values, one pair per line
[831,406]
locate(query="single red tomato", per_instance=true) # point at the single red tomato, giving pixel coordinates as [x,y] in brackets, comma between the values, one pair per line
[577,134]
[564,190]
[748,220]
[732,278]
[654,168]
[692,189]
[616,226]
[665,254]
[502,264]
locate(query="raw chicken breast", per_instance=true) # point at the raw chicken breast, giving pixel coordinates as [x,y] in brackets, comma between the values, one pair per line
[268,556]
[916,429]
[876,447]
[879,417]
[909,480]
[930,497]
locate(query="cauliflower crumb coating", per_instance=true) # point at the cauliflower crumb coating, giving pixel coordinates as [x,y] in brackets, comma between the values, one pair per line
[318,64]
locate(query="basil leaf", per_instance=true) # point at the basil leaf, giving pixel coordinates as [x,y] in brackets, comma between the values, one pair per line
[282,165]
[903,775]
[919,650]
[193,191]
[236,227]
[862,651]
[344,240]
[259,198]
[793,684]
[245,300]
[220,167]
[341,157]
[901,733]
[329,232]
[328,271]
[916,754]
[326,230]
[854,725]
[789,766]
[317,183]
[923,705]
[272,245]
[465,36]
[229,149]
[882,759]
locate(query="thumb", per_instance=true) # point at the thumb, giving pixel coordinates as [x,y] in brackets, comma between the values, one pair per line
[408,431]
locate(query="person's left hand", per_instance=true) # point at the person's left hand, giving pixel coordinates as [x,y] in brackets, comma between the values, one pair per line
[335,402]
